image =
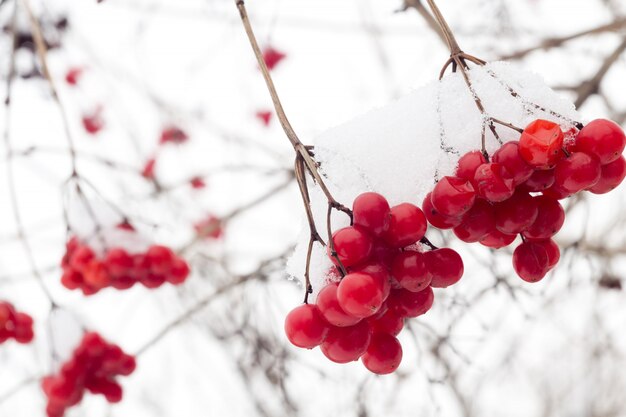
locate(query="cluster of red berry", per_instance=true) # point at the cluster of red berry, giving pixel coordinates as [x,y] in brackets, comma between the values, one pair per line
[119,269]
[14,324]
[517,192]
[94,365]
[388,279]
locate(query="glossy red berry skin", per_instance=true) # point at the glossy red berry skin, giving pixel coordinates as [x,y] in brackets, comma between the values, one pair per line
[383,355]
[410,304]
[540,180]
[360,295]
[493,182]
[577,172]
[553,251]
[516,214]
[118,262]
[477,222]
[410,270]
[612,175]
[602,138]
[352,244]
[497,240]
[540,144]
[509,157]
[556,192]
[329,307]
[530,261]
[347,344]
[390,322]
[437,219]
[453,196]
[407,225]
[371,211]
[379,271]
[160,259]
[550,219]
[446,267]
[468,164]
[305,327]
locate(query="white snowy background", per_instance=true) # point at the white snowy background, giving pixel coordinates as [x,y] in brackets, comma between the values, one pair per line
[492,345]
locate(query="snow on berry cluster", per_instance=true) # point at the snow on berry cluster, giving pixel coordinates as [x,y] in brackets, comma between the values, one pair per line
[388,279]
[85,269]
[14,324]
[94,366]
[517,190]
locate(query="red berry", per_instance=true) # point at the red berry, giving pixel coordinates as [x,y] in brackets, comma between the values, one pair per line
[497,240]
[265,116]
[118,262]
[410,270]
[407,225]
[437,219]
[556,192]
[446,267]
[530,261]
[330,309]
[81,257]
[603,139]
[410,304]
[453,196]
[383,355]
[305,327]
[352,245]
[379,272]
[93,123]
[516,214]
[493,182]
[540,144]
[549,221]
[360,295]
[371,211]
[577,172]
[173,134]
[179,271]
[389,322]
[148,170]
[347,344]
[72,75]
[539,181]
[611,176]
[272,57]
[160,259]
[468,164]
[509,157]
[553,251]
[477,222]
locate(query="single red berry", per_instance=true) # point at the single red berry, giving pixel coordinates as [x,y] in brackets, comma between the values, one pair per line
[577,172]
[453,196]
[540,144]
[497,239]
[352,245]
[410,304]
[179,271]
[437,219]
[383,355]
[390,322]
[96,275]
[611,176]
[173,134]
[602,138]
[148,169]
[160,259]
[410,270]
[530,261]
[272,57]
[407,225]
[516,214]
[72,75]
[93,123]
[509,157]
[118,262]
[81,257]
[445,265]
[468,164]
[549,221]
[371,211]
[477,223]
[359,294]
[197,183]
[553,251]
[330,309]
[493,182]
[265,116]
[305,327]
[379,272]
[347,344]
[556,192]
[540,180]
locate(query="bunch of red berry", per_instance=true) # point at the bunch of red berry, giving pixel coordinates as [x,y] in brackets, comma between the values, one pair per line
[94,366]
[14,324]
[82,268]
[517,192]
[387,278]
